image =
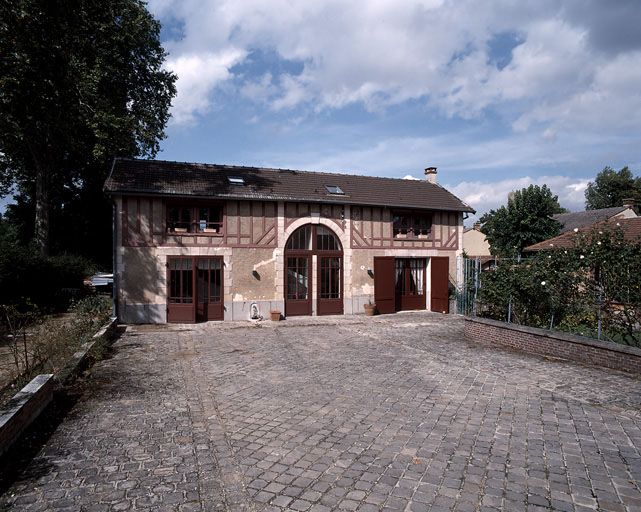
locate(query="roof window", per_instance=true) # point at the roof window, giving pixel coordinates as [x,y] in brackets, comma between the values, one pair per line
[334,189]
[236,180]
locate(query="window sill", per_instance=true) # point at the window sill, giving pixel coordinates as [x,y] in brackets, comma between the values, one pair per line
[189,233]
[413,237]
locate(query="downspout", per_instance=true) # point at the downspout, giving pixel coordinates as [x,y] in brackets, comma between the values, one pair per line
[114,238]
[114,246]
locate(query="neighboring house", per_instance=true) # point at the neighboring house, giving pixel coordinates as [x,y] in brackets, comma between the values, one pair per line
[197,242]
[630,227]
[477,247]
[474,242]
[570,221]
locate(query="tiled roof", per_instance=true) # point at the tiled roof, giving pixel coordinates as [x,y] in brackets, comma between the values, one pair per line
[131,176]
[569,221]
[631,231]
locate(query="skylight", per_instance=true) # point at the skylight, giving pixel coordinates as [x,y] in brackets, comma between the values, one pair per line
[236,180]
[334,189]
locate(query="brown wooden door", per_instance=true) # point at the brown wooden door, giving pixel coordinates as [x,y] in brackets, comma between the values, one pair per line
[439,284]
[384,284]
[410,284]
[180,292]
[209,289]
[330,285]
[298,284]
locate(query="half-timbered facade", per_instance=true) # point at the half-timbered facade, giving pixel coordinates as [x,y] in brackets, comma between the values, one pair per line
[196,242]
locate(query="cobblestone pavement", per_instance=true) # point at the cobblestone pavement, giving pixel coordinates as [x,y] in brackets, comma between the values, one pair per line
[385,413]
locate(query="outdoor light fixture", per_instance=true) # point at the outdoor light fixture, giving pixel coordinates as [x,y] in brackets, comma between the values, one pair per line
[256,274]
[370,272]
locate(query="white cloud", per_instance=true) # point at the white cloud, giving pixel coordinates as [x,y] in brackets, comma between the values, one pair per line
[198,74]
[484,196]
[378,54]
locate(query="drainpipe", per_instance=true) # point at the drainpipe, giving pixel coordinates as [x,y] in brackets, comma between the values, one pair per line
[114,265]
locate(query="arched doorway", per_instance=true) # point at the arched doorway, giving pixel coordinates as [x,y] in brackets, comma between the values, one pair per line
[309,245]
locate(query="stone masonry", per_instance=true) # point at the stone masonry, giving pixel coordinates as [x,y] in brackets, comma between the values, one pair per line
[394,413]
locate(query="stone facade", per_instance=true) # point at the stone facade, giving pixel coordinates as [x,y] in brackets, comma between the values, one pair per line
[252,242]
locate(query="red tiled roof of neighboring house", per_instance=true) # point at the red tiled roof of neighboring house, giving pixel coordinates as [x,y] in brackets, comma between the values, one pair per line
[569,221]
[151,177]
[631,231]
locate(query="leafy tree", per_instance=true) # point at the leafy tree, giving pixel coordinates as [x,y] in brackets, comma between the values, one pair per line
[525,220]
[611,187]
[81,81]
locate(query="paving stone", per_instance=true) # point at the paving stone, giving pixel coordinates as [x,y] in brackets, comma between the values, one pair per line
[394,412]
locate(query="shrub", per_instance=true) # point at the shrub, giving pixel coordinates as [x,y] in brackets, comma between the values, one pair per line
[571,289]
[51,282]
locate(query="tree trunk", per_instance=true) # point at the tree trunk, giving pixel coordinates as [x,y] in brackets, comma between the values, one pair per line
[41,232]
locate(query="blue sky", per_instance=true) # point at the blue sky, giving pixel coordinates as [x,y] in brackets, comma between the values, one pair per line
[496,94]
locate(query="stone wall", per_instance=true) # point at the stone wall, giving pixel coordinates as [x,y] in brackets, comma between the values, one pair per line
[554,344]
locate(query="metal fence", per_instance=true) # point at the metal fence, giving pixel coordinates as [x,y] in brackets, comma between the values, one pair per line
[469,303]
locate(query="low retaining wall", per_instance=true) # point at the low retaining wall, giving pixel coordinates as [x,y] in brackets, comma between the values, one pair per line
[83,357]
[23,409]
[554,344]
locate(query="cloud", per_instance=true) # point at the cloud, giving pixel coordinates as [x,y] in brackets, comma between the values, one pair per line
[543,88]
[484,196]
[198,74]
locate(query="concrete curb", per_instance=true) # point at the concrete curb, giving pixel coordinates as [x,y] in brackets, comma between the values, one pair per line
[23,409]
[82,359]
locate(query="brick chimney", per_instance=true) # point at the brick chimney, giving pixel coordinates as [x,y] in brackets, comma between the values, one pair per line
[629,202]
[477,226]
[430,174]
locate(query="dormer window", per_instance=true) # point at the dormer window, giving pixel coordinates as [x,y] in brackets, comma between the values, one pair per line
[236,180]
[334,189]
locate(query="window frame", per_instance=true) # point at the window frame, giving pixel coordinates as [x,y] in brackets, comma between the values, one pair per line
[194,208]
[413,228]
[334,190]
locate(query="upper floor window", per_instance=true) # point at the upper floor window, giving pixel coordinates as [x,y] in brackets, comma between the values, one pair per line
[412,224]
[194,219]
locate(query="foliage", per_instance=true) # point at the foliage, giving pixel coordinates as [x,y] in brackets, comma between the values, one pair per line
[81,81]
[48,281]
[43,344]
[611,187]
[95,308]
[16,321]
[525,220]
[615,280]
[569,289]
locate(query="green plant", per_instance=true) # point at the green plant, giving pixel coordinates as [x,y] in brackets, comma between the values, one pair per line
[592,288]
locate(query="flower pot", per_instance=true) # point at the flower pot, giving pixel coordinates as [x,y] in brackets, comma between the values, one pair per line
[370,309]
[275,316]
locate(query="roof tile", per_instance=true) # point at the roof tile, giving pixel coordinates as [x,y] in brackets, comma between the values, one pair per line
[133,176]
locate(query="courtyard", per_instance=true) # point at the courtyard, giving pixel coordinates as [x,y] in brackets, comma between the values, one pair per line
[393,412]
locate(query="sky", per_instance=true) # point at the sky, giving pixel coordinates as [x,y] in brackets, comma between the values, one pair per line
[496,94]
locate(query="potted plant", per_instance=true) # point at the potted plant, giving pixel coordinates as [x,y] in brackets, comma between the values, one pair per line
[370,308]
[274,315]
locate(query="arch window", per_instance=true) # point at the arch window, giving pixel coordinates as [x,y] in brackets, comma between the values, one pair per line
[307,244]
